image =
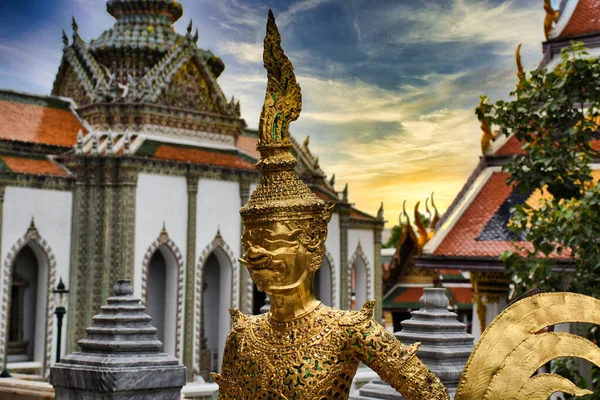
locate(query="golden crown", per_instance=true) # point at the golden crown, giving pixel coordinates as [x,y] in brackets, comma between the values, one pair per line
[280,194]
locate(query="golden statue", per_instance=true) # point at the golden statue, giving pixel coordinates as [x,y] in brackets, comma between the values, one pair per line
[551,18]
[301,349]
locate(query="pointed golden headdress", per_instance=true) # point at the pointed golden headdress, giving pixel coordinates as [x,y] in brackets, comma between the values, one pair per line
[280,194]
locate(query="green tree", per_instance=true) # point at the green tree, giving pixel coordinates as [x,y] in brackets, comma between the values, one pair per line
[555,114]
[393,240]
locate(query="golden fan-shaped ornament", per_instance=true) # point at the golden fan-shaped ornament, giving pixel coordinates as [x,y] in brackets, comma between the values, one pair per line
[515,345]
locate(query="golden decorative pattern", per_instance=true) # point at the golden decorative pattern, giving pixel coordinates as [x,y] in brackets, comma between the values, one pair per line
[316,357]
[71,87]
[188,90]
[516,345]
[283,99]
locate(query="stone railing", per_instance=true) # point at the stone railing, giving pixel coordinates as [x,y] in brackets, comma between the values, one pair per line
[18,389]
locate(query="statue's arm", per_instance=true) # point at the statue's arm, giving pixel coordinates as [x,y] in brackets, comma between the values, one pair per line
[397,364]
[228,388]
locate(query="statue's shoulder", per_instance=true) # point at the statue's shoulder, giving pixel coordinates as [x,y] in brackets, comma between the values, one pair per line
[241,322]
[350,318]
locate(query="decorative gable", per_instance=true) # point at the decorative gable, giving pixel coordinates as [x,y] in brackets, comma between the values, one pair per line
[72,87]
[188,90]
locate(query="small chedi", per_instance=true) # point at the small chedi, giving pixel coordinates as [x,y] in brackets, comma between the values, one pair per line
[301,349]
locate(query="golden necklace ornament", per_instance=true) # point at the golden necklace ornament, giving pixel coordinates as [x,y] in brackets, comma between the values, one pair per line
[301,349]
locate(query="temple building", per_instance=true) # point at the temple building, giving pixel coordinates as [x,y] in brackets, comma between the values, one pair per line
[473,232]
[403,281]
[136,166]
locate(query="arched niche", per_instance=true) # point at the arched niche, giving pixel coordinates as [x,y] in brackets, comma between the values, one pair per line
[360,278]
[326,281]
[29,266]
[217,286]
[162,291]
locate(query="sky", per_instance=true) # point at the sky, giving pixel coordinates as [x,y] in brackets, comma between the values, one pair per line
[389,86]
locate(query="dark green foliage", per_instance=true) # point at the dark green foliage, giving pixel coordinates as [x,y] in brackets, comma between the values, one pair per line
[393,240]
[555,115]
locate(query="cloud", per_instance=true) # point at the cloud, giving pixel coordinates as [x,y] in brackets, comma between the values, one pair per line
[243,52]
[384,144]
[480,21]
[28,66]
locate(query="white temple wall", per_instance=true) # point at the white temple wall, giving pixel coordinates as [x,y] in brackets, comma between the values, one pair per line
[333,246]
[366,239]
[218,208]
[51,211]
[160,199]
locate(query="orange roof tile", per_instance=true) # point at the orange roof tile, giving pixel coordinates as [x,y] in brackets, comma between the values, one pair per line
[324,196]
[200,156]
[514,147]
[585,19]
[461,240]
[462,295]
[33,166]
[248,145]
[409,295]
[511,147]
[38,124]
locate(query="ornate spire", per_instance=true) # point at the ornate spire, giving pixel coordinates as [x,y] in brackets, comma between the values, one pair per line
[74,25]
[79,143]
[65,38]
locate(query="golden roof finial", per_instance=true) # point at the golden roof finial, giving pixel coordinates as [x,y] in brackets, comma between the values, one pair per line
[551,18]
[405,214]
[520,73]
[436,216]
[487,136]
[421,229]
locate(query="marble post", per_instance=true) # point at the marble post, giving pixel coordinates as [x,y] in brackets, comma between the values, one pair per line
[445,344]
[120,358]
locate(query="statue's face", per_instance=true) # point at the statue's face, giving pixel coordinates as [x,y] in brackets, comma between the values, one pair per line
[274,256]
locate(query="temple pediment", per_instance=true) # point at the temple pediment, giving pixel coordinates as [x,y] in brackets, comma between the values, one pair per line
[142,62]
